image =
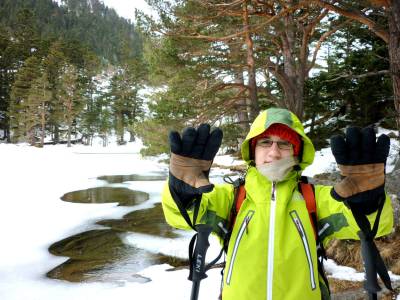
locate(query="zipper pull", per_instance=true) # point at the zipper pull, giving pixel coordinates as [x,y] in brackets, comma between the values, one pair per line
[273,191]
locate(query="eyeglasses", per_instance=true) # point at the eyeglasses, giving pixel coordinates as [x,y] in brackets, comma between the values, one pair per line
[267,143]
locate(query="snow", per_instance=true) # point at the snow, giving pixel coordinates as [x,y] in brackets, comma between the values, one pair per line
[227,160]
[323,162]
[347,273]
[33,217]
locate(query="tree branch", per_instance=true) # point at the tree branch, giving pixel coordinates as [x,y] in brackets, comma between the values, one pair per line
[357,16]
[321,40]
[350,75]
[326,117]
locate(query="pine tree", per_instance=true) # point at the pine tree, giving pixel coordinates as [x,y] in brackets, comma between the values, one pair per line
[127,104]
[16,46]
[53,63]
[26,35]
[104,117]
[37,108]
[90,86]
[6,78]
[70,96]
[20,119]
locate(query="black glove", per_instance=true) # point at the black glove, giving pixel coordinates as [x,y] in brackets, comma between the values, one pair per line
[191,160]
[361,159]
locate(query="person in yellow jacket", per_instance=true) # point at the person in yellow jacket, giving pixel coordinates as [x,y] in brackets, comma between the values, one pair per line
[272,252]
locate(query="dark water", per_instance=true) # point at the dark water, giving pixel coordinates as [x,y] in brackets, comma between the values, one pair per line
[149,221]
[123,196]
[132,177]
[101,255]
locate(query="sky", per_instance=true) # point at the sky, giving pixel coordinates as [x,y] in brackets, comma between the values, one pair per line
[126,8]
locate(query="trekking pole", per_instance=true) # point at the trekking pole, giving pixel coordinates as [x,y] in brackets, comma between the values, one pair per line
[369,257]
[198,257]
[373,262]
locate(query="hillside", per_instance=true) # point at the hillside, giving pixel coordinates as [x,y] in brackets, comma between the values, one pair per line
[87,21]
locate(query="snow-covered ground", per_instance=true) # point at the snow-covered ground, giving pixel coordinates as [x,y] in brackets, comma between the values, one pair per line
[32,217]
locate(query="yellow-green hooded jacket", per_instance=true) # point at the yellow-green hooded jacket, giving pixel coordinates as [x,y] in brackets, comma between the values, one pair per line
[272,252]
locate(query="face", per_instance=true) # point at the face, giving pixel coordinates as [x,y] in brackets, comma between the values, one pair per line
[270,149]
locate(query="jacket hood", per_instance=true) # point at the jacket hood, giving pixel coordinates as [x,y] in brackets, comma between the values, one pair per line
[281,116]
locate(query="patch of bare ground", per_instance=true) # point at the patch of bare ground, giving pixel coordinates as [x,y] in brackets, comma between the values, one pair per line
[349,290]
[235,168]
[348,253]
[339,286]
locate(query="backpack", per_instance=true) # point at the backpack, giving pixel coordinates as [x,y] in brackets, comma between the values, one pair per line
[308,192]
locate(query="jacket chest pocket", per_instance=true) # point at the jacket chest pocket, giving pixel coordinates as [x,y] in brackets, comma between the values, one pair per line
[242,231]
[302,234]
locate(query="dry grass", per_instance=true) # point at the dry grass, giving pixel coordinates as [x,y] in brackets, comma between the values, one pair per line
[348,252]
[235,168]
[337,285]
[350,290]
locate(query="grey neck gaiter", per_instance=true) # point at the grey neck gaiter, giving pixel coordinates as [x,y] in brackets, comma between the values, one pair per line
[279,169]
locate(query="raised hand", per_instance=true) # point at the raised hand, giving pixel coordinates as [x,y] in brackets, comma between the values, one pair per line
[192,155]
[361,160]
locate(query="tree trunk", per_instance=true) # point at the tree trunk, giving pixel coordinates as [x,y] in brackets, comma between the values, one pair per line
[251,69]
[69,136]
[43,125]
[313,117]
[31,136]
[131,136]
[241,105]
[394,55]
[56,138]
[294,97]
[120,128]
[295,76]
[7,135]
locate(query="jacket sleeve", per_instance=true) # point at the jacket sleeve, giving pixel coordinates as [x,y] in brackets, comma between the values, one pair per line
[214,210]
[335,220]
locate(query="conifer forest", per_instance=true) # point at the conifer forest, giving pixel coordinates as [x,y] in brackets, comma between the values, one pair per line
[73,69]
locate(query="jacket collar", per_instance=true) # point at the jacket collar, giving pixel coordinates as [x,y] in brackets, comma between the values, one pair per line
[259,188]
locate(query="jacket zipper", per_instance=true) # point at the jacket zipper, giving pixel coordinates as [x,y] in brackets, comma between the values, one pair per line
[271,242]
[300,229]
[242,230]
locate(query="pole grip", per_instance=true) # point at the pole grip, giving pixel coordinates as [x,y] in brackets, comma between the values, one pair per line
[200,251]
[199,258]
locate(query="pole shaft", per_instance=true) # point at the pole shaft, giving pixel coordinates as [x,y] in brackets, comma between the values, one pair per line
[195,290]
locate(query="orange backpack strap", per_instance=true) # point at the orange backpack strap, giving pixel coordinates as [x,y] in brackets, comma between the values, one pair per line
[241,195]
[307,190]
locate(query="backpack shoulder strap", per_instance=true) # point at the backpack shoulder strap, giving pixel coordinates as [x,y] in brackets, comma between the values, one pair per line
[307,190]
[239,196]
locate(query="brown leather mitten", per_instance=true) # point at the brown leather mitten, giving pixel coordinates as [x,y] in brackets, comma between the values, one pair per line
[361,159]
[191,159]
